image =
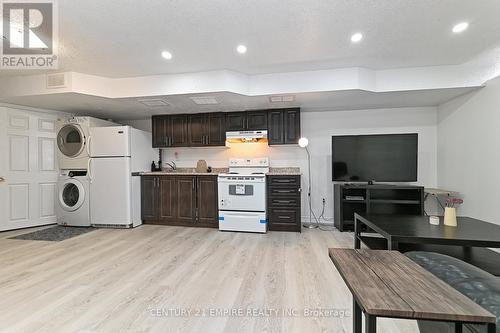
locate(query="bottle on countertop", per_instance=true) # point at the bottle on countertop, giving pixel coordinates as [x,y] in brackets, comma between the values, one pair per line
[159,160]
[153,166]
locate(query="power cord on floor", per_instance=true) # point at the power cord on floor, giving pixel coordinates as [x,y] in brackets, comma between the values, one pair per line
[320,217]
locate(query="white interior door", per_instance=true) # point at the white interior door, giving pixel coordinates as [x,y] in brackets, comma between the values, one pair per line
[28,168]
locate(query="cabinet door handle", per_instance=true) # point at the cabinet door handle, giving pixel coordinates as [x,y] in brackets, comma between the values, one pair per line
[284,217]
[283,180]
[284,191]
[283,201]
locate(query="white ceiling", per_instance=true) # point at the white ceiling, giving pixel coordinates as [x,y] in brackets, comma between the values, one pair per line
[130,108]
[123,38]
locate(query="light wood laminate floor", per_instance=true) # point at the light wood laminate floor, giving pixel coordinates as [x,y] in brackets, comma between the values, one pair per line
[149,278]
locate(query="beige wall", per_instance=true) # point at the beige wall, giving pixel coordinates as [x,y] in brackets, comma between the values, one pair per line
[469,150]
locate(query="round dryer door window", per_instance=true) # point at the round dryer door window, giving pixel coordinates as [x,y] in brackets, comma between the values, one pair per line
[71,195]
[70,140]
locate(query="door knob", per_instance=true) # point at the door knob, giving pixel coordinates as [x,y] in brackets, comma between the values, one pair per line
[2,179]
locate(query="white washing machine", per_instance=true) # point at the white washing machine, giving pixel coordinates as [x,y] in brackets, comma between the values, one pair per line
[73,140]
[73,207]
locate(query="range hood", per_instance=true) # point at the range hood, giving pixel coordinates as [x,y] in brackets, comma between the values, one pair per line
[246,136]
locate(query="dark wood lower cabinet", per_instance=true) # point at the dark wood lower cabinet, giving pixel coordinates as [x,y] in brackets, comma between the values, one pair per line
[185,199]
[149,198]
[207,213]
[193,201]
[284,219]
[283,203]
[180,200]
[167,209]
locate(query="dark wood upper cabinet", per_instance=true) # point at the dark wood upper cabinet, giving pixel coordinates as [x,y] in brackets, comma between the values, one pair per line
[243,121]
[256,120]
[169,131]
[178,130]
[159,131]
[292,125]
[209,129]
[284,126]
[236,121]
[275,133]
[197,129]
[207,204]
[216,129]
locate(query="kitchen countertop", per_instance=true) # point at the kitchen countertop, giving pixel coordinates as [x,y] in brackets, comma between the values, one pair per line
[178,173]
[284,172]
[216,171]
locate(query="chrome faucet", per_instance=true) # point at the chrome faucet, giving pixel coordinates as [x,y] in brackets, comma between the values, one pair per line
[172,165]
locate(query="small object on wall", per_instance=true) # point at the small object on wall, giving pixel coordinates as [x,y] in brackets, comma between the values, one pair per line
[450,212]
[201,166]
[434,220]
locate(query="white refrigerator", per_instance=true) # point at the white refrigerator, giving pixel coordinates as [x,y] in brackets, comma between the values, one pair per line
[118,155]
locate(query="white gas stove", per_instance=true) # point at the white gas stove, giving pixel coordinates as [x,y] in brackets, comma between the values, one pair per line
[242,195]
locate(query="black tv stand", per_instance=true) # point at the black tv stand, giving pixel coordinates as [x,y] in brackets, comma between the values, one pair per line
[375,199]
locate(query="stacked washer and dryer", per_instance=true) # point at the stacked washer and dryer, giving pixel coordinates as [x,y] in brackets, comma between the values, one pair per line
[101,163]
[73,208]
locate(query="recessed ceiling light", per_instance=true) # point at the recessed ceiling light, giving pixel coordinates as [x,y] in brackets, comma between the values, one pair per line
[167,55]
[461,27]
[242,49]
[357,37]
[204,100]
[153,102]
[280,99]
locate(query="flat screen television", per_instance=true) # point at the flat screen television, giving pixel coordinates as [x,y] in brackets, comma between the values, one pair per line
[381,158]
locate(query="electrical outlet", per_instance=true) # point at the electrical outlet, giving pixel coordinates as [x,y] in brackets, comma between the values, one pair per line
[324,200]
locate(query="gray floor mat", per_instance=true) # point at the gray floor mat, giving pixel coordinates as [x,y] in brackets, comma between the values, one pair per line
[55,234]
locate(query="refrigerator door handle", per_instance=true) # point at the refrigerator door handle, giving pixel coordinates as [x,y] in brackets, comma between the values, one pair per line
[89,168]
[88,146]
